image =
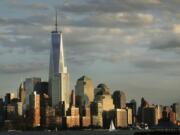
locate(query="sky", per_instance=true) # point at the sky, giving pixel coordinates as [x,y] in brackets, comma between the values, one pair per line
[130,45]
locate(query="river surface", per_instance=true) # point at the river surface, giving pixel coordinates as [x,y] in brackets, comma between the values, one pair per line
[85,132]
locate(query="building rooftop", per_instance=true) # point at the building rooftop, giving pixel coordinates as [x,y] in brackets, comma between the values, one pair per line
[84,78]
[103,89]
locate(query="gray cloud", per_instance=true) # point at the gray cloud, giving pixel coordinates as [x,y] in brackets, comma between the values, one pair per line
[157,63]
[25,67]
[33,6]
[35,44]
[109,6]
[171,44]
[31,20]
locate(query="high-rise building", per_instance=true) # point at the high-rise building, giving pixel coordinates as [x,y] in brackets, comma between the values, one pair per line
[129,116]
[132,105]
[19,108]
[121,118]
[176,109]
[103,96]
[2,113]
[22,93]
[86,118]
[72,99]
[172,117]
[97,112]
[73,120]
[84,90]
[159,109]
[58,74]
[143,105]
[119,99]
[149,115]
[30,85]
[103,105]
[44,104]
[35,108]
[42,88]
[9,97]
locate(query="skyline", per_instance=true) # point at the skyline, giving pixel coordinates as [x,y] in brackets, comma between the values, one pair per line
[90,30]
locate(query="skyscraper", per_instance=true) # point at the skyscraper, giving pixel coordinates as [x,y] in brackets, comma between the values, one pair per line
[175,108]
[84,90]
[58,75]
[35,108]
[30,86]
[22,93]
[119,99]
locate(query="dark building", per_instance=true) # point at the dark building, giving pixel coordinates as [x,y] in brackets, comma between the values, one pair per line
[41,87]
[132,104]
[9,97]
[22,93]
[72,98]
[44,104]
[2,112]
[119,99]
[149,116]
[143,105]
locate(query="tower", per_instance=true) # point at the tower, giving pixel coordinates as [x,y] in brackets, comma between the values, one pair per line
[22,93]
[58,75]
[84,91]
[119,99]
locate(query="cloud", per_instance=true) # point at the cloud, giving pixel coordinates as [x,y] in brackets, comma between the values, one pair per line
[16,68]
[13,21]
[34,44]
[32,6]
[39,19]
[106,6]
[157,63]
[171,44]
[112,20]
[167,42]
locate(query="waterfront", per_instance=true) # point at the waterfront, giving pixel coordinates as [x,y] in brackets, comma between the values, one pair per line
[84,132]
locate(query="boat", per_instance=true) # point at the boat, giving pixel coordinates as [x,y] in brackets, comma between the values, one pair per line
[112,127]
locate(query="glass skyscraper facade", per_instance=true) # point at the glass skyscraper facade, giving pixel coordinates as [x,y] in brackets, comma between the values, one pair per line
[58,75]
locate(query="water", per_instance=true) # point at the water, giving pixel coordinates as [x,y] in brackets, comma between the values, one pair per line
[85,132]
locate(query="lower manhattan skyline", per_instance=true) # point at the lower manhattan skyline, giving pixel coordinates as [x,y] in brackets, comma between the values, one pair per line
[129,45]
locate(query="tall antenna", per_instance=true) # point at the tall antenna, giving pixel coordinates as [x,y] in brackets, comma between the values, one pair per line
[56,24]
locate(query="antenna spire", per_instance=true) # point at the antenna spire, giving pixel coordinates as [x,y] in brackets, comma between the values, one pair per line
[56,24]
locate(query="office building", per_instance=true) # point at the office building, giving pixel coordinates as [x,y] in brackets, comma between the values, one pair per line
[97,114]
[58,74]
[172,117]
[103,96]
[9,97]
[132,105]
[121,118]
[22,93]
[130,116]
[176,109]
[30,85]
[73,118]
[72,98]
[19,108]
[159,109]
[84,91]
[149,116]
[119,99]
[35,108]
